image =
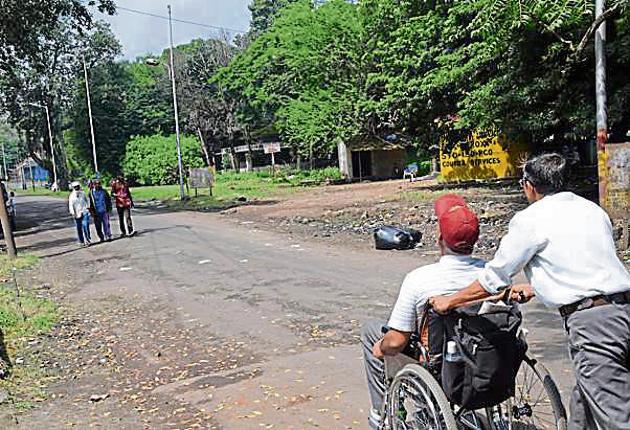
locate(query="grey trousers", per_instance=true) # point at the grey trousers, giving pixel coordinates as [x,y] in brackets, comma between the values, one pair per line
[599,346]
[372,332]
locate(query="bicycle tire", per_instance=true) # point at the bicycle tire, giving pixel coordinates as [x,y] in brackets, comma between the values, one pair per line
[440,405]
[553,394]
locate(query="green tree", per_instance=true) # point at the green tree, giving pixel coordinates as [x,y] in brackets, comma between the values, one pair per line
[263,14]
[50,80]
[127,99]
[152,160]
[526,68]
[303,76]
[28,25]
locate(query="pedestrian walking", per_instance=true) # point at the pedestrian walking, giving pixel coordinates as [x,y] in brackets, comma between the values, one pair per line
[79,207]
[101,206]
[124,204]
[565,245]
[11,209]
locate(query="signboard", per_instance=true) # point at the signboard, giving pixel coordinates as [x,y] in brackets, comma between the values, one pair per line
[481,156]
[201,178]
[271,148]
[617,195]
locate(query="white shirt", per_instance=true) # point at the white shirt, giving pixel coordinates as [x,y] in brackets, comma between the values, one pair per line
[451,274]
[78,203]
[11,206]
[565,245]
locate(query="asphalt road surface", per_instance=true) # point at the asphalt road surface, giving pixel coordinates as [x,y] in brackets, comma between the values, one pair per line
[286,313]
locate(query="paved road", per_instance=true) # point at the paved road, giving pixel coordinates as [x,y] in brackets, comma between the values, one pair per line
[288,311]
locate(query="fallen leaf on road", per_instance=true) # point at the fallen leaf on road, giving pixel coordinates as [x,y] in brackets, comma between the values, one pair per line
[98,397]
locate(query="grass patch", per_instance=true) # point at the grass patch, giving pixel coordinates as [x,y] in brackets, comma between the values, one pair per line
[23,317]
[230,186]
[39,191]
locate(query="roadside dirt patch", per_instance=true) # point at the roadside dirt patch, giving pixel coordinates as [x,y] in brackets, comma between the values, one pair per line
[348,214]
[104,365]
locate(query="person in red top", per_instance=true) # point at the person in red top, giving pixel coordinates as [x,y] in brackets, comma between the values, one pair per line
[124,204]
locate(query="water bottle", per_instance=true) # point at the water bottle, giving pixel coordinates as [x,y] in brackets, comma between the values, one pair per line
[452,353]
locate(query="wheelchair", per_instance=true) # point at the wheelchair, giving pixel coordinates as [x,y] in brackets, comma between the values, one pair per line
[414,399]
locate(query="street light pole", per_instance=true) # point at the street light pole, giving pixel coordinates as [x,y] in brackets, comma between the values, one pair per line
[52,148]
[4,163]
[600,95]
[182,193]
[89,104]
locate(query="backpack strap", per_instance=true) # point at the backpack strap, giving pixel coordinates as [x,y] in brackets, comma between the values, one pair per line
[423,330]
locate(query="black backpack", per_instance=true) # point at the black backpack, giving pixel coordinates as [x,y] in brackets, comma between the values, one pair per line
[491,352]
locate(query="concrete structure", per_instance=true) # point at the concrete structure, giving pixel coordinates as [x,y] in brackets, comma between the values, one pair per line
[371,159]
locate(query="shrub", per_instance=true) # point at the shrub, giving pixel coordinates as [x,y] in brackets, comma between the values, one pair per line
[152,160]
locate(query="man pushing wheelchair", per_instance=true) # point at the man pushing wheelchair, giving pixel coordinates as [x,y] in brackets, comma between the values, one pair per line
[565,246]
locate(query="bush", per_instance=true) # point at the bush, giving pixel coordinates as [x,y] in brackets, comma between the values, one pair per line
[152,160]
[295,177]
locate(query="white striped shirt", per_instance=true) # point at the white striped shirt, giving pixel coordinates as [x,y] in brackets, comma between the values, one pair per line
[451,274]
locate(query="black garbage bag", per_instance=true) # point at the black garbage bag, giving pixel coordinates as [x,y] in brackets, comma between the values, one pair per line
[389,237]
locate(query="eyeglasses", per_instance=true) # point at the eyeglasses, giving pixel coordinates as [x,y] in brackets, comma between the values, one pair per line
[524,180]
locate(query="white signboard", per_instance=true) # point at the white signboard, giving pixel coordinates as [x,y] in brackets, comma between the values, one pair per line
[271,148]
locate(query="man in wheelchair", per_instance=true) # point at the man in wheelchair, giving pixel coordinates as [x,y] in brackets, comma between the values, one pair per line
[456,269]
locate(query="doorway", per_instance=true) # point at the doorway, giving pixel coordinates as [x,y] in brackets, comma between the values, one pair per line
[361,164]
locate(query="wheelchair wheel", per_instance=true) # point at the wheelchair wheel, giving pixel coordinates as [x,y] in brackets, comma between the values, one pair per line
[536,405]
[417,402]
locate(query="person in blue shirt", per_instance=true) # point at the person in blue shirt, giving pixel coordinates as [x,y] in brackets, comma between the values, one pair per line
[101,206]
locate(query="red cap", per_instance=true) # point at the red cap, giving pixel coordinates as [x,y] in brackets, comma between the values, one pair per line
[459,226]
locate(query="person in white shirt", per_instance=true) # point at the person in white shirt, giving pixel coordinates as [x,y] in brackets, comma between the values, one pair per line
[459,231]
[11,209]
[564,243]
[79,207]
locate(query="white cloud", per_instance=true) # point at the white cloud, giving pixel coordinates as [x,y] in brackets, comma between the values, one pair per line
[141,34]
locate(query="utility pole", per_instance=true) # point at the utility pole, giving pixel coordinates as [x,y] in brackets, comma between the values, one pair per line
[602,110]
[89,104]
[182,193]
[4,164]
[30,166]
[52,148]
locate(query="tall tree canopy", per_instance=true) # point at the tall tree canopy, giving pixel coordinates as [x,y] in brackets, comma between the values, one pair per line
[303,76]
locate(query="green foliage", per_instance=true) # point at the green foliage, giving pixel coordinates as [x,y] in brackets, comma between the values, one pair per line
[264,12]
[152,160]
[26,315]
[303,74]
[315,176]
[127,99]
[445,68]
[33,23]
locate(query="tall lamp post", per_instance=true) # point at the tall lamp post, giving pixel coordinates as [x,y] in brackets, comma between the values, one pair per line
[52,148]
[89,105]
[171,70]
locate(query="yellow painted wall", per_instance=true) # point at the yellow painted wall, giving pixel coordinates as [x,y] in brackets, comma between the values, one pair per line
[481,156]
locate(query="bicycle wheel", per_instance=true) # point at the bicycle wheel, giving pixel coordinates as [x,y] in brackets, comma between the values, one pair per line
[417,402]
[536,405]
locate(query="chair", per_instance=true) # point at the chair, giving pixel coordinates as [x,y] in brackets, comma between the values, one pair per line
[411,170]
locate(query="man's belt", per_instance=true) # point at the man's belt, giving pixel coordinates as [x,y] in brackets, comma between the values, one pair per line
[592,302]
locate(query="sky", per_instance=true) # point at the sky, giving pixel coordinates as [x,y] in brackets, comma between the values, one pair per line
[141,34]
